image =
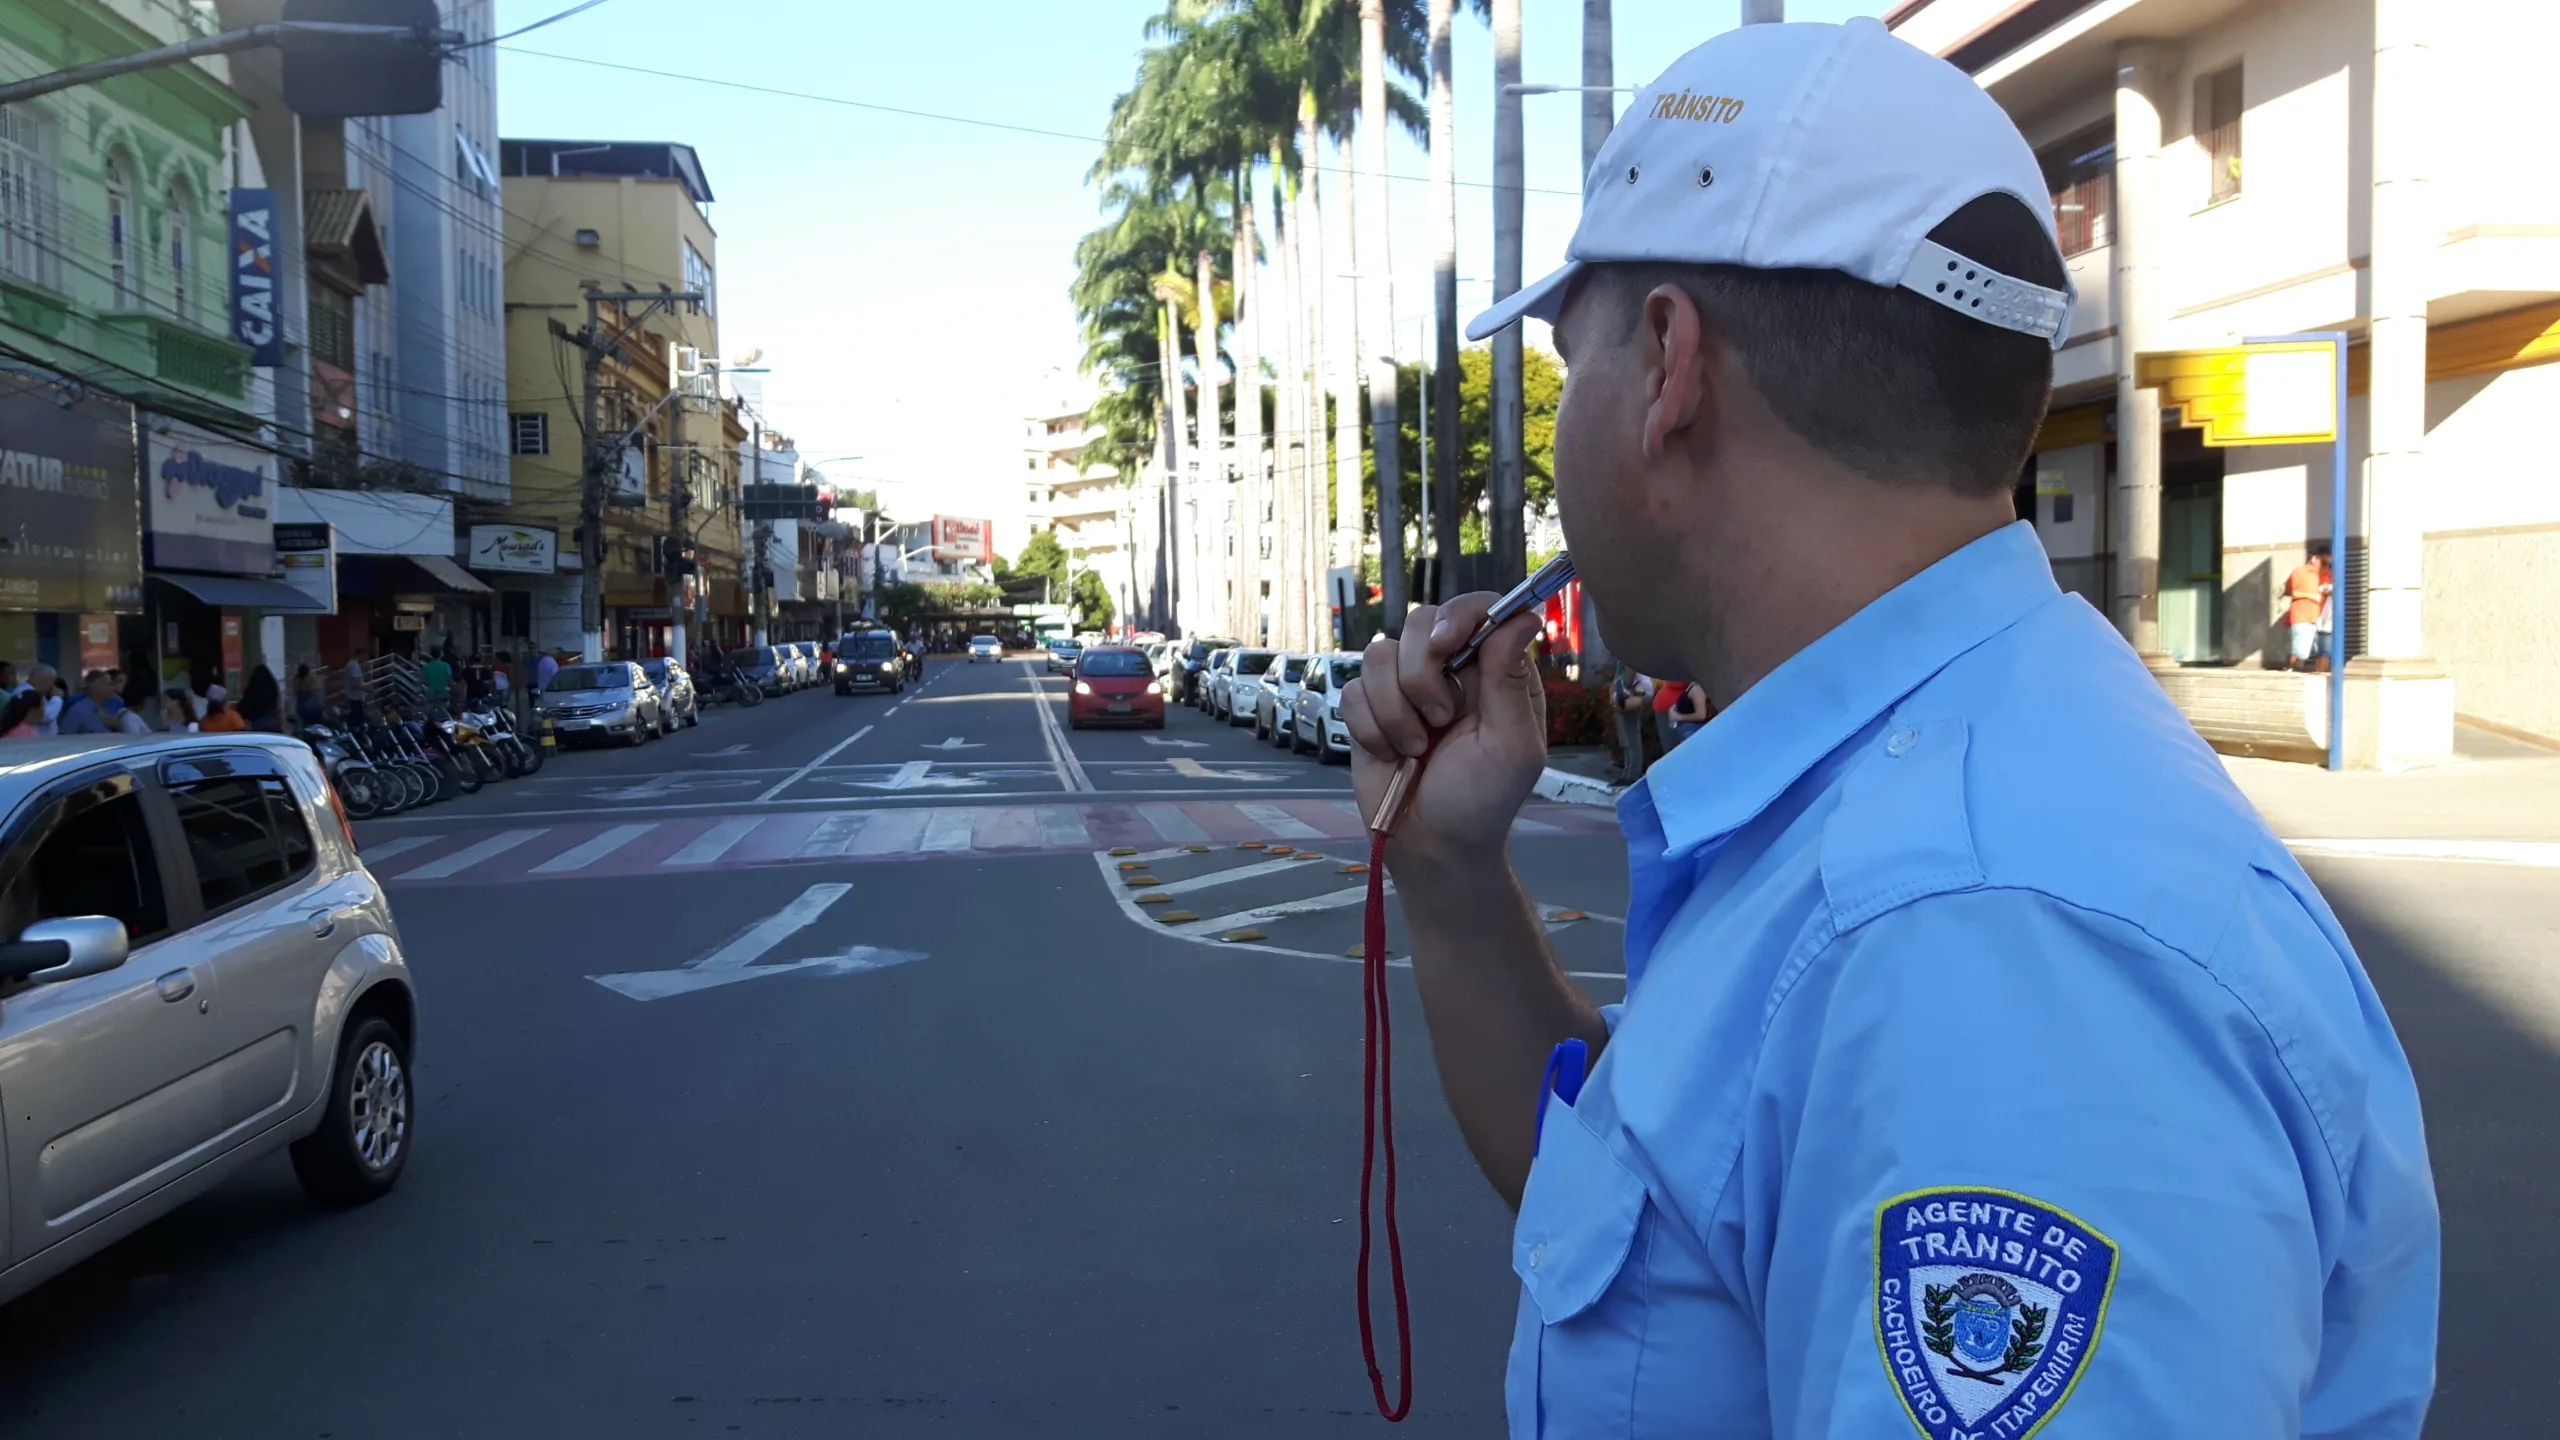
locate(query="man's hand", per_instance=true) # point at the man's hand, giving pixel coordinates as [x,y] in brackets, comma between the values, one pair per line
[1492,724]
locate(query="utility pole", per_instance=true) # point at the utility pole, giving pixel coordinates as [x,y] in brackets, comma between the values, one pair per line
[1763,12]
[601,460]
[1509,557]
[679,497]
[760,543]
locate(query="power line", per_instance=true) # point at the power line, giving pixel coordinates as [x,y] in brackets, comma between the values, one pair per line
[945,117]
[577,9]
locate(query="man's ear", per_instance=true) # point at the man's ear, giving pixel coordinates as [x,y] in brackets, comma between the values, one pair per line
[1674,344]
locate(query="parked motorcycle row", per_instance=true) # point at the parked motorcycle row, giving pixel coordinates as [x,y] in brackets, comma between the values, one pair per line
[407,759]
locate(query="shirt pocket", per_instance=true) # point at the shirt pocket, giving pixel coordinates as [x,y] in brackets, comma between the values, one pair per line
[1582,1310]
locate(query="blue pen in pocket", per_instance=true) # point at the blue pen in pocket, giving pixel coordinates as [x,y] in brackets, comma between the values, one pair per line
[1566,1068]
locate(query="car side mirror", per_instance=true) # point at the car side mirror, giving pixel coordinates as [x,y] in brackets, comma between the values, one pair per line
[65,949]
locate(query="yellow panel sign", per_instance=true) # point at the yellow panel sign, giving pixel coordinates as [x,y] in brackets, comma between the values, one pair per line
[2281,393]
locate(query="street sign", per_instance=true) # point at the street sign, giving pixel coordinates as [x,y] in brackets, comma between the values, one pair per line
[2263,393]
[958,539]
[336,76]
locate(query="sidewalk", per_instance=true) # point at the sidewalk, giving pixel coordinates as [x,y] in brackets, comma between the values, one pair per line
[2497,799]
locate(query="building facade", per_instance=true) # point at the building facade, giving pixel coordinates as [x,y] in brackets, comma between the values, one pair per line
[2223,170]
[586,220]
[1089,504]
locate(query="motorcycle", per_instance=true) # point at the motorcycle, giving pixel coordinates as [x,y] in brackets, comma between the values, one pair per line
[361,789]
[497,734]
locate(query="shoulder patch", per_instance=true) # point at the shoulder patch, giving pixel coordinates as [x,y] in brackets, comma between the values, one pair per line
[1988,1307]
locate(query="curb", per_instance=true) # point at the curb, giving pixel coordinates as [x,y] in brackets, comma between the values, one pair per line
[1568,788]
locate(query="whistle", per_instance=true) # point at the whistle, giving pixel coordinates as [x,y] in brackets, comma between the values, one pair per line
[1545,584]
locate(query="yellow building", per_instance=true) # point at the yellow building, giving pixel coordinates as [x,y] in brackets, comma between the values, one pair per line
[595,233]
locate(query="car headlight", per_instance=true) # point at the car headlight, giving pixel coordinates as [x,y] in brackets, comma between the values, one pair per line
[1083,689]
[1154,688]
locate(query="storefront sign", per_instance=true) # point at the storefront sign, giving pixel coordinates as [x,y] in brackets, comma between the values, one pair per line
[233,656]
[307,559]
[73,535]
[958,539]
[513,547]
[253,276]
[206,499]
[97,642]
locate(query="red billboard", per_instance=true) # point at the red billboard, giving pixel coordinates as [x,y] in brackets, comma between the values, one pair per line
[958,539]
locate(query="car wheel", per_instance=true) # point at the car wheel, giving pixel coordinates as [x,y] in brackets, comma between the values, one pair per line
[362,1144]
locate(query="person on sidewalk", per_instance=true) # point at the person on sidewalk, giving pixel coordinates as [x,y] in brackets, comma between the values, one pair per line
[2306,591]
[1689,713]
[1629,696]
[87,714]
[1933,1102]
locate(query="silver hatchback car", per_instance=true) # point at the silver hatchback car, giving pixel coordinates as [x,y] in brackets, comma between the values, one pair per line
[196,970]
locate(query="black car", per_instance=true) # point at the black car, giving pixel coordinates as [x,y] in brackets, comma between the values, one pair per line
[869,660]
[1188,663]
[759,663]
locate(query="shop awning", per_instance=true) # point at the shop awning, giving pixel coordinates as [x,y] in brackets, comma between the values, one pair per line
[449,575]
[242,592]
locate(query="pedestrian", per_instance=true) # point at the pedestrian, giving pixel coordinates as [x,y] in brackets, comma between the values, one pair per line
[221,717]
[123,719]
[177,714]
[46,684]
[500,677]
[545,666]
[353,680]
[2306,590]
[2324,638]
[1689,713]
[9,682]
[310,700]
[262,701]
[18,714]
[1983,1053]
[87,715]
[437,675]
[1630,694]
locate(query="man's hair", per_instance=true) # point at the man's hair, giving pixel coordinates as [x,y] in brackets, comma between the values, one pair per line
[1886,381]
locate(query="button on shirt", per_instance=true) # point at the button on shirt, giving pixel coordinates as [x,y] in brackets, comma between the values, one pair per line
[1984,1056]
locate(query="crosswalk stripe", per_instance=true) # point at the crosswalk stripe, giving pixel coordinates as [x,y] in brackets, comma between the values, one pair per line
[1062,825]
[586,853]
[1280,822]
[947,830]
[465,858]
[1527,826]
[1333,900]
[713,843]
[891,832]
[376,854]
[1169,821]
[834,836]
[1006,827]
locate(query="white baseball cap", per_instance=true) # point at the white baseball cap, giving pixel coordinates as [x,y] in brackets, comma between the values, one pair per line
[1808,146]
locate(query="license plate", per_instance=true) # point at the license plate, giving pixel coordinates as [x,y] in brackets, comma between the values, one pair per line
[1119,707]
[575,724]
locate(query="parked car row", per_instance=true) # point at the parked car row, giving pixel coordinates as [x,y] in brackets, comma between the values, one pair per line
[625,702]
[1292,700]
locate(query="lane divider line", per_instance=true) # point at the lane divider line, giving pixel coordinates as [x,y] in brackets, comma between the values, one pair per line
[1071,774]
[803,773]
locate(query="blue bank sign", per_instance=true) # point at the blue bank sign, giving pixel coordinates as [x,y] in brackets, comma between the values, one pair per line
[254,300]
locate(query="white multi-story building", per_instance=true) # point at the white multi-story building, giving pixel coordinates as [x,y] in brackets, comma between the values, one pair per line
[2230,169]
[1080,501]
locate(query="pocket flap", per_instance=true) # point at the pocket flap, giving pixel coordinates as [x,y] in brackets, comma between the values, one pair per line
[1577,1218]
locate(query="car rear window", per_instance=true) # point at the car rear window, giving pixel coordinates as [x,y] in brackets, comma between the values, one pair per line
[1345,671]
[1254,662]
[753,655]
[1116,664]
[592,677]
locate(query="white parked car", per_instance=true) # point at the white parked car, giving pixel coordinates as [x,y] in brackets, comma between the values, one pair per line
[1315,721]
[1276,696]
[196,971]
[1243,674]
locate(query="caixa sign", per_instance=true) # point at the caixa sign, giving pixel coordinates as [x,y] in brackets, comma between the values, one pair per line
[254,298]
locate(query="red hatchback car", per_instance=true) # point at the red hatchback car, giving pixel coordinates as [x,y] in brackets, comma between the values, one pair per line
[1114,685]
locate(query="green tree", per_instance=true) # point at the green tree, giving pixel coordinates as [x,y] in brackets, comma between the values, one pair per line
[1042,555]
[1542,385]
[1092,601]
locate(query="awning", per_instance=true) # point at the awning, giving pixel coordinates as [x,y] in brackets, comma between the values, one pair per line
[449,575]
[242,592]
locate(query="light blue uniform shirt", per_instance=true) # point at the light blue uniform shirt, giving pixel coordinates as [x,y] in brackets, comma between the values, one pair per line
[1983,1056]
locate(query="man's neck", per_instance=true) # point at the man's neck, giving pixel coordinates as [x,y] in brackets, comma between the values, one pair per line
[1807,550]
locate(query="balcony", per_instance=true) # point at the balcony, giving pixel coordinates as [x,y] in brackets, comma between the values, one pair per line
[182,356]
[32,307]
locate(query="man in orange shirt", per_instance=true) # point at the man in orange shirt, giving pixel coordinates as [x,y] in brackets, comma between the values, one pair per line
[2304,592]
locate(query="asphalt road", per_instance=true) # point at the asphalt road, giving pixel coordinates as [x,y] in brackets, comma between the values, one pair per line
[816,1072]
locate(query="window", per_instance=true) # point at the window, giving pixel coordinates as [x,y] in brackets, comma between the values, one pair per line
[2080,175]
[182,219]
[2218,131]
[697,276]
[119,232]
[29,213]
[94,858]
[530,431]
[333,327]
[239,851]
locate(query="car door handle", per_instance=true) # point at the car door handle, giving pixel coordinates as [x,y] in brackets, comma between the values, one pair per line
[177,985]
[324,923]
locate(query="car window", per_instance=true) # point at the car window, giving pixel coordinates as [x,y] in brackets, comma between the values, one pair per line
[1315,681]
[1346,671]
[1254,662]
[592,677]
[233,836]
[1294,669]
[1115,664]
[92,857]
[870,645]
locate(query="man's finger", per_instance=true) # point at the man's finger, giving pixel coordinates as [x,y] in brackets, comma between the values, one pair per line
[1424,652]
[1400,729]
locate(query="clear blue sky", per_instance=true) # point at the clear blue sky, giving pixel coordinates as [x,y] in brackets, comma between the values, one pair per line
[907,277]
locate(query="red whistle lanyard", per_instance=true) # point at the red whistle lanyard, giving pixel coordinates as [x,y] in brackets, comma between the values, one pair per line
[1378,1110]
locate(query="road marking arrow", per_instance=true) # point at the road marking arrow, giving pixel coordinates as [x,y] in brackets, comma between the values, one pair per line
[918,775]
[1175,744]
[726,750]
[735,960]
[953,743]
[1190,769]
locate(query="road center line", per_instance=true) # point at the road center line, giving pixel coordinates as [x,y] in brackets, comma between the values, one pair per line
[796,776]
[1071,774]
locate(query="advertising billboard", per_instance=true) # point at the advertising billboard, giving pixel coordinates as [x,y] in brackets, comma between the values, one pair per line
[514,547]
[253,275]
[958,539]
[205,501]
[307,557]
[70,500]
